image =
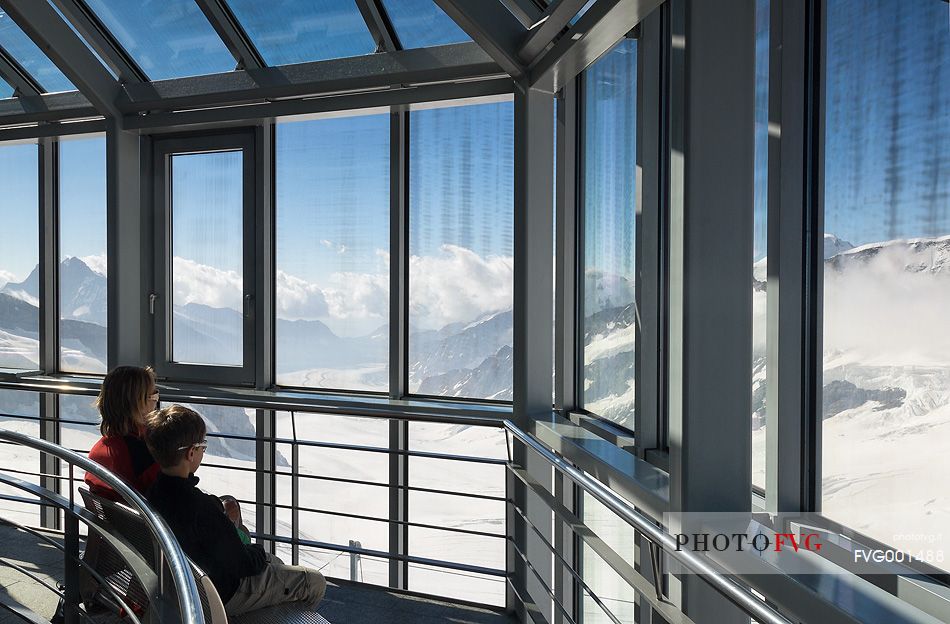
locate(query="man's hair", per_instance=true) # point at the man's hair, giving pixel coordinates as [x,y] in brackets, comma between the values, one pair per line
[124,392]
[169,429]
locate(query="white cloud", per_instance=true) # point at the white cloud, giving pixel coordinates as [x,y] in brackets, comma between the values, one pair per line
[299,299]
[458,286]
[96,262]
[199,283]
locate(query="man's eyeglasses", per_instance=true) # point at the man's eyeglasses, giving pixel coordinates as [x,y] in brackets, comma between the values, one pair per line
[202,445]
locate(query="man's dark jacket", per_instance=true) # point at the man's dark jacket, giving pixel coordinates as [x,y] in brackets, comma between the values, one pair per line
[206,535]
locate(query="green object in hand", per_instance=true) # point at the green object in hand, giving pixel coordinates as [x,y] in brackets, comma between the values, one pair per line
[242,533]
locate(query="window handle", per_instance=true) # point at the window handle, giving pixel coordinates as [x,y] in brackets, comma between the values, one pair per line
[249,307]
[151,302]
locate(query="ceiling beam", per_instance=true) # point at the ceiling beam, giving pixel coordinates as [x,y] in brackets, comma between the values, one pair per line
[252,113]
[57,41]
[451,63]
[52,107]
[52,130]
[233,35]
[379,25]
[554,19]
[492,26]
[604,24]
[17,77]
[100,39]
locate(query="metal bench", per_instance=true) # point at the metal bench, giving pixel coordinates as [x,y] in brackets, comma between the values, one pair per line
[132,527]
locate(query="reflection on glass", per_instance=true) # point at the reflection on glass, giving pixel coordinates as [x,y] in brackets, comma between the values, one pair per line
[82,269]
[886,376]
[6,91]
[333,253]
[609,324]
[421,23]
[461,256]
[207,248]
[167,38]
[18,45]
[760,226]
[19,257]
[287,31]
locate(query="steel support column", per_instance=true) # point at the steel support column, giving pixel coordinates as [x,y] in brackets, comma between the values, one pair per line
[129,248]
[710,368]
[48,153]
[533,324]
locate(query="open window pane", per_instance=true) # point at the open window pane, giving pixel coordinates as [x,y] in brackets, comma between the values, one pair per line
[28,55]
[461,255]
[82,268]
[886,375]
[421,23]
[287,31]
[333,253]
[167,38]
[19,257]
[610,170]
[207,211]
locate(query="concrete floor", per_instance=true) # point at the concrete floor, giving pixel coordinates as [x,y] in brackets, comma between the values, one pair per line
[344,603]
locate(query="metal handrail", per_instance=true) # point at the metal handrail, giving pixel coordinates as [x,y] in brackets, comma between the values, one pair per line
[188,599]
[726,586]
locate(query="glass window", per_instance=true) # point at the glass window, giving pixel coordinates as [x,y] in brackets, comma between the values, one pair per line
[287,31]
[610,168]
[29,56]
[167,38]
[333,253]
[19,257]
[421,23]
[461,253]
[207,247]
[760,226]
[82,269]
[886,376]
[6,91]
[615,593]
[19,411]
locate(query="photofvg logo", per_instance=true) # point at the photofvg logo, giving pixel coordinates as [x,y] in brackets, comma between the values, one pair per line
[759,543]
[741,542]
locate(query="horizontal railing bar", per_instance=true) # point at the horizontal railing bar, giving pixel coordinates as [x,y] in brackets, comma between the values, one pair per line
[379,554]
[729,588]
[419,525]
[369,406]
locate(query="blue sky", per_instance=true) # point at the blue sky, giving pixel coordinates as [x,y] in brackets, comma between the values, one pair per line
[887,154]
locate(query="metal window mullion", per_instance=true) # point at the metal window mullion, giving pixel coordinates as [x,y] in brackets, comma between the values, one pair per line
[379,25]
[232,34]
[399,505]
[565,306]
[648,247]
[47,153]
[91,28]
[399,252]
[580,243]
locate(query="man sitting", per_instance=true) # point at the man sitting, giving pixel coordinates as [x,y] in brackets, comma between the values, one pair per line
[245,576]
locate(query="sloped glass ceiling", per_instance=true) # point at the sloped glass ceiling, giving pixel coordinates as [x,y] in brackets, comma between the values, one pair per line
[289,31]
[30,58]
[421,23]
[5,90]
[167,38]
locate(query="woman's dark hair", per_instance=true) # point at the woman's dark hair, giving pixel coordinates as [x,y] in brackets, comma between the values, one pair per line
[124,393]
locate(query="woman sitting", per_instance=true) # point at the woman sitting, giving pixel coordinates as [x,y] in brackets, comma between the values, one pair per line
[128,393]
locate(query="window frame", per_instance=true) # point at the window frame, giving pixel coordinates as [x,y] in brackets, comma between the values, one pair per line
[161,300]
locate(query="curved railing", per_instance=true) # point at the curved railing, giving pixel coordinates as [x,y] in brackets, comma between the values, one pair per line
[736,593]
[178,566]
